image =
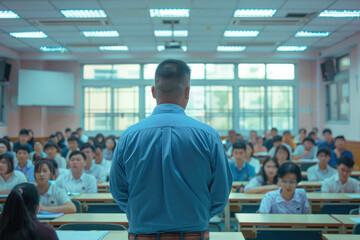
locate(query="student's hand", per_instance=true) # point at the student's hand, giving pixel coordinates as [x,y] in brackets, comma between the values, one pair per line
[42,208]
[337,153]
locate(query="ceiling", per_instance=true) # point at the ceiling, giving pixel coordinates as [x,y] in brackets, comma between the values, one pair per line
[206,25]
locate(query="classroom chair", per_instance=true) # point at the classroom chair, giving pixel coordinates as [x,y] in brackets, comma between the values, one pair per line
[92,227]
[354,211]
[356,229]
[304,167]
[215,221]
[77,205]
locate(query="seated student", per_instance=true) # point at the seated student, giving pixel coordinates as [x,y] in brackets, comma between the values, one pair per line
[100,140]
[8,176]
[277,140]
[299,138]
[229,142]
[100,160]
[306,152]
[286,138]
[51,149]
[61,139]
[24,164]
[23,140]
[266,180]
[282,154]
[287,199]
[5,148]
[52,198]
[18,218]
[77,181]
[316,137]
[342,182]
[38,151]
[110,144]
[75,134]
[249,157]
[269,141]
[73,145]
[259,145]
[313,136]
[31,139]
[67,135]
[56,170]
[240,169]
[329,141]
[322,170]
[91,168]
[82,136]
[339,151]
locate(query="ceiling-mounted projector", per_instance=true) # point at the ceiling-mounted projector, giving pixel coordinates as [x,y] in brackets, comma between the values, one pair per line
[173,44]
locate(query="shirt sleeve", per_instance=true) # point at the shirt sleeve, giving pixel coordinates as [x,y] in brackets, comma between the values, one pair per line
[118,184]
[306,207]
[265,205]
[103,174]
[310,174]
[62,197]
[92,187]
[221,183]
[325,188]
[298,150]
[252,184]
[62,163]
[257,166]
[31,176]
[251,172]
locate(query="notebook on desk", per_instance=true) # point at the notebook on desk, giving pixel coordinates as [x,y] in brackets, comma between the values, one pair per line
[81,235]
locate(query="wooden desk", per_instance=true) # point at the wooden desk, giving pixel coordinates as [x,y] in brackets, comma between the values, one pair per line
[310,186]
[114,218]
[103,187]
[102,199]
[295,222]
[348,224]
[340,237]
[354,174]
[239,183]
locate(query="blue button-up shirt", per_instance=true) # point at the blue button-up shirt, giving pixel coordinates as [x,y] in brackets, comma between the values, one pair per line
[170,173]
[333,161]
[244,174]
[28,170]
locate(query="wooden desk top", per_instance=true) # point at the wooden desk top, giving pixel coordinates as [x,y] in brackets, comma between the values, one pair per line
[304,184]
[353,174]
[114,218]
[123,235]
[104,185]
[340,237]
[244,197]
[94,197]
[239,183]
[331,197]
[256,219]
[345,219]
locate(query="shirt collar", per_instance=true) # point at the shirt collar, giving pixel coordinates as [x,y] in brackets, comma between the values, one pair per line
[168,108]
[28,165]
[81,177]
[243,166]
[49,191]
[326,170]
[280,199]
[337,179]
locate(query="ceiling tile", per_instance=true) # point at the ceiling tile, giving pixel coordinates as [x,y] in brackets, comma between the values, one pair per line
[309,4]
[201,4]
[90,4]
[39,14]
[124,4]
[260,4]
[344,4]
[28,5]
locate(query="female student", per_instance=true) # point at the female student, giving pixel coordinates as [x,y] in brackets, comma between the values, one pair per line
[8,176]
[18,219]
[287,199]
[259,145]
[110,145]
[100,139]
[38,151]
[52,198]
[249,157]
[61,139]
[266,180]
[282,154]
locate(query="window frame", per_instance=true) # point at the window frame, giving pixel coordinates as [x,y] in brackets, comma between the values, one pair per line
[4,103]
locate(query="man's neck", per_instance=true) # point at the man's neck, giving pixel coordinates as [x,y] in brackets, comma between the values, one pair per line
[341,150]
[322,167]
[98,161]
[77,175]
[287,197]
[240,163]
[329,141]
[343,182]
[43,188]
[22,164]
[23,144]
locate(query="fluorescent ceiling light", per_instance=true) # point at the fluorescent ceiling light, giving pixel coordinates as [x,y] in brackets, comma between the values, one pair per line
[240,33]
[8,14]
[83,13]
[100,33]
[38,34]
[340,13]
[53,49]
[254,12]
[174,12]
[168,33]
[161,48]
[230,48]
[291,48]
[311,34]
[113,48]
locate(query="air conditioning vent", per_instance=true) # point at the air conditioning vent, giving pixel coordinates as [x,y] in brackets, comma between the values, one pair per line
[89,44]
[266,22]
[296,15]
[251,44]
[71,22]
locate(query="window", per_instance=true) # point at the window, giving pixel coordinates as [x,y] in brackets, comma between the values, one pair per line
[3,104]
[97,108]
[219,71]
[111,72]
[280,71]
[251,71]
[280,107]
[126,107]
[252,108]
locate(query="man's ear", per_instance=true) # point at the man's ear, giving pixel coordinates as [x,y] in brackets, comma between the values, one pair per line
[187,93]
[153,91]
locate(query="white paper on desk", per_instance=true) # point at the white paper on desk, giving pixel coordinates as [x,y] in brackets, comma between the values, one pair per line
[46,215]
[357,220]
[353,195]
[81,235]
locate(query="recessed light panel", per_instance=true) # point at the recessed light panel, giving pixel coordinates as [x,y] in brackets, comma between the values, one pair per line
[100,33]
[311,34]
[38,34]
[291,48]
[53,49]
[83,13]
[161,48]
[230,48]
[340,13]
[170,12]
[8,14]
[249,12]
[168,33]
[240,33]
[113,48]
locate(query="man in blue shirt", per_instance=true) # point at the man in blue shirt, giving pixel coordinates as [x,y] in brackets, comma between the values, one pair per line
[339,151]
[329,142]
[241,169]
[169,172]
[24,164]
[23,140]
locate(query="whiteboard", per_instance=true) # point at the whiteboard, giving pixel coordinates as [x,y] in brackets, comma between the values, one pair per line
[46,88]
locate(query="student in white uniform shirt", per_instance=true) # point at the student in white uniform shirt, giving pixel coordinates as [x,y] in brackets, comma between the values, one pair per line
[342,182]
[100,160]
[250,159]
[322,170]
[77,181]
[91,168]
[8,176]
[52,198]
[56,170]
[51,151]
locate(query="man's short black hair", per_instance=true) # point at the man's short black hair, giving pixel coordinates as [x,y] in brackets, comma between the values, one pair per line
[77,153]
[327,130]
[347,161]
[289,167]
[287,132]
[302,130]
[309,139]
[79,129]
[87,145]
[73,139]
[53,136]
[324,150]
[274,129]
[99,146]
[50,144]
[311,133]
[340,137]
[24,132]
[239,145]
[23,148]
[74,134]
[277,138]
[67,129]
[54,163]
